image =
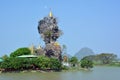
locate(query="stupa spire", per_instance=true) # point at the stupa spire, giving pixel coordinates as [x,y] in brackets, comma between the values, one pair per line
[50,14]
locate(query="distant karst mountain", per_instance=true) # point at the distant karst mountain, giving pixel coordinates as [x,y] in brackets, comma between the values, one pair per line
[84,52]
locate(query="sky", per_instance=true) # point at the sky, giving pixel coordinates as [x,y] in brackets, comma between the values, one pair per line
[85,23]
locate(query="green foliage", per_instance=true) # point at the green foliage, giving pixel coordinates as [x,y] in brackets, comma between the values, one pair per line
[73,61]
[103,58]
[106,58]
[4,57]
[48,34]
[64,49]
[55,64]
[85,63]
[16,63]
[20,51]
[42,62]
[48,63]
[10,63]
[65,68]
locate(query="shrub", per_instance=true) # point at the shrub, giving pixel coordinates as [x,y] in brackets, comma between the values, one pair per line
[20,51]
[85,63]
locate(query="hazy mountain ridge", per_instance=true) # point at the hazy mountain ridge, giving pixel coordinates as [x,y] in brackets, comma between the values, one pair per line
[84,52]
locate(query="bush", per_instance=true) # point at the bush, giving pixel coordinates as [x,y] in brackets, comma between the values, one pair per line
[11,63]
[44,63]
[65,68]
[55,64]
[48,63]
[17,63]
[20,51]
[85,63]
[73,61]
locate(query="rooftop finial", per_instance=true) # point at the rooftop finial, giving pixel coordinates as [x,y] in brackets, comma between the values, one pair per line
[50,14]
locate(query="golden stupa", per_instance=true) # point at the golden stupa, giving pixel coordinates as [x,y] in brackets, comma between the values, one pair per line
[50,14]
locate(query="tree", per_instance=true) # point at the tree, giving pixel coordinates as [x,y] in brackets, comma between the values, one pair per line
[85,63]
[106,58]
[20,51]
[64,49]
[73,61]
[44,63]
[103,58]
[4,57]
[15,63]
[55,64]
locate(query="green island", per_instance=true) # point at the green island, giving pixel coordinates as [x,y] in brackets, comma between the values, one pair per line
[22,60]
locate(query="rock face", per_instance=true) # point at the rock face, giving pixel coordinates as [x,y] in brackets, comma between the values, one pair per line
[50,32]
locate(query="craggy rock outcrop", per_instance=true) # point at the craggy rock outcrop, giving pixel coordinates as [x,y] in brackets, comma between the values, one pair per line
[50,32]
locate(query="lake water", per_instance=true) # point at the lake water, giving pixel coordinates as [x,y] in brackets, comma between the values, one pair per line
[98,73]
